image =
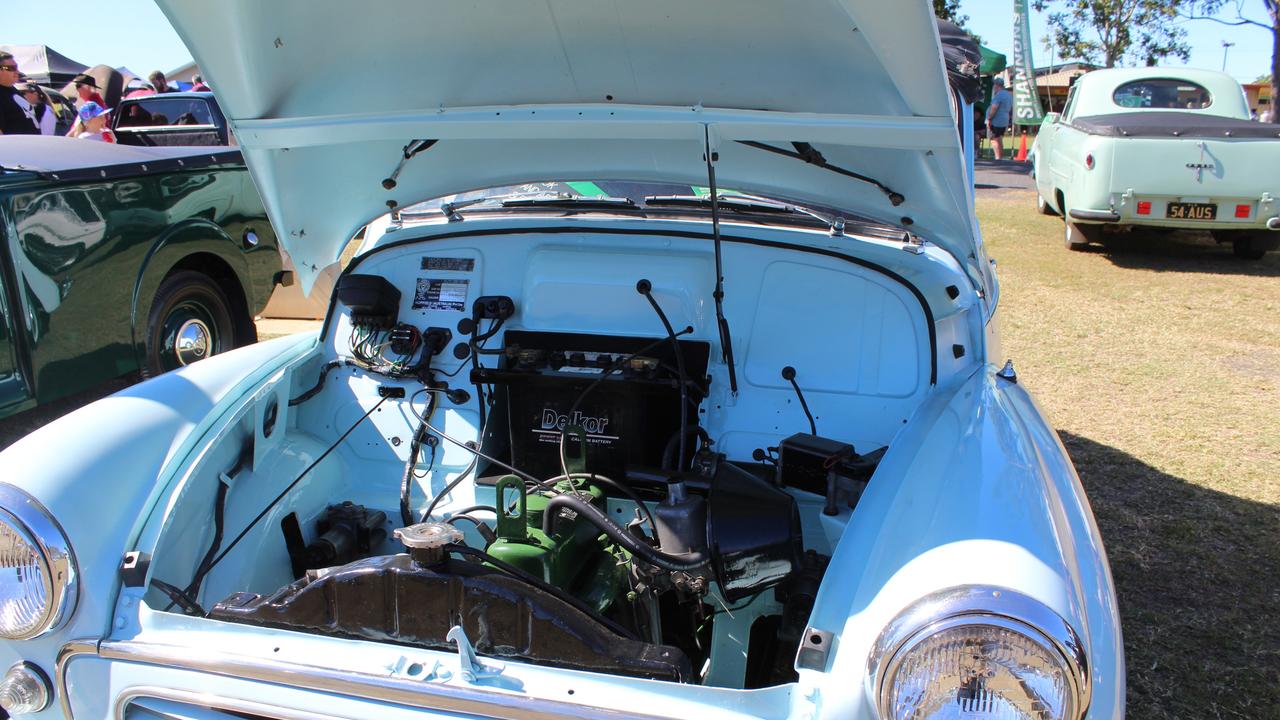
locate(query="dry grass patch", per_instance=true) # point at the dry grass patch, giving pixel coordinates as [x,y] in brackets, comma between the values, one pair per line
[1157,358]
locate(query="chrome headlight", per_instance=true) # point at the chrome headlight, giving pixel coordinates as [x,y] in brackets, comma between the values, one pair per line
[977,652]
[37,569]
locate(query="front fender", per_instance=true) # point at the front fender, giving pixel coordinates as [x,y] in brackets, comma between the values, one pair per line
[96,471]
[976,490]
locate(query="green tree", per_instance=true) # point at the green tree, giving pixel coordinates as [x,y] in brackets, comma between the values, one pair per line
[1235,16]
[949,10]
[1114,32]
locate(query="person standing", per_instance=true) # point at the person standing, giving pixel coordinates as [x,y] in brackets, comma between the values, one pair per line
[15,112]
[998,116]
[87,89]
[159,82]
[46,119]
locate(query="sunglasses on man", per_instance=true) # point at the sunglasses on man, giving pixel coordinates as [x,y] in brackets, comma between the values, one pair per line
[10,68]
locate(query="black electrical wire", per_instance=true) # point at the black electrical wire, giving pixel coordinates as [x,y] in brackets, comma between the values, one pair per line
[644,287]
[324,373]
[180,598]
[650,555]
[537,582]
[219,515]
[617,365]
[474,451]
[284,492]
[406,481]
[453,485]
[473,344]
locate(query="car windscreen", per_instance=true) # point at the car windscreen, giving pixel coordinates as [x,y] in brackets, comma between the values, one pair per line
[1162,94]
[154,111]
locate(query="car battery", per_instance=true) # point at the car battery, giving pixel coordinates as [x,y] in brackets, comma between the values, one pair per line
[627,418]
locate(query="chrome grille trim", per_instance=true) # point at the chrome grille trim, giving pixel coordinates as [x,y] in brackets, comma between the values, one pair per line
[401,691]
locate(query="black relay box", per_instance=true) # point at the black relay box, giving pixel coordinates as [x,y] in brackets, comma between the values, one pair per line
[825,467]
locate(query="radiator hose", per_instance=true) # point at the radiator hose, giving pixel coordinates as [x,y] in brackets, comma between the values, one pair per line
[683,563]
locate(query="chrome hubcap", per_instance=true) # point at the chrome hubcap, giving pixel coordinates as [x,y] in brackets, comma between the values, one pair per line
[193,342]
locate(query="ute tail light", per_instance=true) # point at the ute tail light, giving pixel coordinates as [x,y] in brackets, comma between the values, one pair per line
[1242,211]
[1144,207]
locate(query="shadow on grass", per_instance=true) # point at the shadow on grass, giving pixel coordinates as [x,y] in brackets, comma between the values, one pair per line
[1181,251]
[1198,577]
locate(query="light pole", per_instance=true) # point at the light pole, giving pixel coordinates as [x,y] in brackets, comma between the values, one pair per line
[1225,47]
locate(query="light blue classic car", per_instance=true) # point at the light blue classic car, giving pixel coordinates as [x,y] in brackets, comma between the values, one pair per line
[1160,148]
[587,433]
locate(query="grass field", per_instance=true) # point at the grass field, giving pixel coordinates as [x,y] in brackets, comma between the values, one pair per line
[1156,358]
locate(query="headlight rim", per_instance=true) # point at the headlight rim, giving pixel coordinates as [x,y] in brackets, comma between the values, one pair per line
[976,605]
[62,575]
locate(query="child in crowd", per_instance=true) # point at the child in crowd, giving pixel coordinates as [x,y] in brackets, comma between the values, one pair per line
[91,124]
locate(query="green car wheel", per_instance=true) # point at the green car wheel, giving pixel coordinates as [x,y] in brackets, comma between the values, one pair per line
[190,320]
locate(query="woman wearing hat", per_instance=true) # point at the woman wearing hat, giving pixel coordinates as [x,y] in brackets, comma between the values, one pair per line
[87,89]
[91,124]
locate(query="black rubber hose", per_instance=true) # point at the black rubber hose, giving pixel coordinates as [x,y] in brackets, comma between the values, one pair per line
[485,531]
[545,587]
[669,451]
[621,488]
[691,561]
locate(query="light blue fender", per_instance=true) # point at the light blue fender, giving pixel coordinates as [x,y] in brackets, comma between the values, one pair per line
[96,471]
[976,490]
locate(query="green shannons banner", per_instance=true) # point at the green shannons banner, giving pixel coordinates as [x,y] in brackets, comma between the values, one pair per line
[1026,101]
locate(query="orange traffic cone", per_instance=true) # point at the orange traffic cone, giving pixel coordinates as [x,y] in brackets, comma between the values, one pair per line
[1022,148]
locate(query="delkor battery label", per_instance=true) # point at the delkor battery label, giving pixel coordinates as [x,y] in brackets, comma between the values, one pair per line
[441,294]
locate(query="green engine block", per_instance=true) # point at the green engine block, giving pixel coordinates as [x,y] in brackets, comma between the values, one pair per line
[575,556]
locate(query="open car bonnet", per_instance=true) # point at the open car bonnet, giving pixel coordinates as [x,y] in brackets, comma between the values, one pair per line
[324,96]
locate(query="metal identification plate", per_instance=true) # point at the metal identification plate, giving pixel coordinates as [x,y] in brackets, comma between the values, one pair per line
[441,294]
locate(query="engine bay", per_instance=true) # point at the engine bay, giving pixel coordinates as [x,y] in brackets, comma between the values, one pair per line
[566,498]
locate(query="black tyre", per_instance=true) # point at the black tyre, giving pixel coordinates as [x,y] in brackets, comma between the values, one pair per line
[1043,207]
[190,320]
[1243,244]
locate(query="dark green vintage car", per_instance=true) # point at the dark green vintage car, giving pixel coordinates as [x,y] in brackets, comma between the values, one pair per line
[115,260]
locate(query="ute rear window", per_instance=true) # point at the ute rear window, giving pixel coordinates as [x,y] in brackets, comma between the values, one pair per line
[150,112]
[1162,94]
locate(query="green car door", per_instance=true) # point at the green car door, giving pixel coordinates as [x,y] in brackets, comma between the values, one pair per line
[13,392]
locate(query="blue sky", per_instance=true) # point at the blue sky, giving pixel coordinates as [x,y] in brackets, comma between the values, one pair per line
[134,33]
